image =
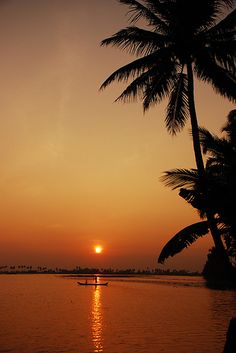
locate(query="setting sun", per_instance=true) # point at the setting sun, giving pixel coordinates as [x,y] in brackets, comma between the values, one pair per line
[98,249]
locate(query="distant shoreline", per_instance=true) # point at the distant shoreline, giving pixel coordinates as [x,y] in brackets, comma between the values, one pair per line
[104,273]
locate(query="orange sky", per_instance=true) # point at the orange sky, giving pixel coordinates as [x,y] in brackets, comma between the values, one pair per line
[77,169]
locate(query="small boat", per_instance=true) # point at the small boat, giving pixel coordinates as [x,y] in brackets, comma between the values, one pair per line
[92,284]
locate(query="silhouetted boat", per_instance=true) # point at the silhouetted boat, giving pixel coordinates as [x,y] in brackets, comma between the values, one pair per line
[92,284]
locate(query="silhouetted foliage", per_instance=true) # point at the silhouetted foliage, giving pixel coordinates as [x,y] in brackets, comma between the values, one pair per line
[90,271]
[183,239]
[181,39]
[220,170]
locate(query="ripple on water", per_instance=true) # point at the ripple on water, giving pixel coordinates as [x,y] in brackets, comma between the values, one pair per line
[48,314]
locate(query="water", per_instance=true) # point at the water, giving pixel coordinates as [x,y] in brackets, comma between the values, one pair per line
[52,314]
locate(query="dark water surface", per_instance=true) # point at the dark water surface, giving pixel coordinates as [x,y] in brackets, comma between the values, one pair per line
[52,314]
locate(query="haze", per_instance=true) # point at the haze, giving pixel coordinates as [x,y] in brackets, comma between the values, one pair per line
[76,169]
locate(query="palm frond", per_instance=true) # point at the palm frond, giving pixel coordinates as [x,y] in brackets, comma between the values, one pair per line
[219,150]
[177,178]
[224,26]
[230,127]
[222,80]
[224,4]
[193,16]
[135,68]
[162,9]
[195,198]
[135,40]
[220,44]
[138,11]
[229,3]
[178,108]
[183,239]
[222,51]
[160,84]
[210,142]
[152,78]
[136,87]
[189,195]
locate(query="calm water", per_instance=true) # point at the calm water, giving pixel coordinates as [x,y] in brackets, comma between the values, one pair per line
[52,314]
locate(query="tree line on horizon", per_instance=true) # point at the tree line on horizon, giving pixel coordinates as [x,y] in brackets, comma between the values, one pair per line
[26,269]
[181,41]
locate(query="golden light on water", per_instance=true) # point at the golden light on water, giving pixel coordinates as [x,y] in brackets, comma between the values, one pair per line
[96,324]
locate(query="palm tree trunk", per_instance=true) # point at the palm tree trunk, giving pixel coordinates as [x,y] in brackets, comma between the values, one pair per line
[200,165]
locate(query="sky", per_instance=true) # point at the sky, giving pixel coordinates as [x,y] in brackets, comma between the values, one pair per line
[77,169]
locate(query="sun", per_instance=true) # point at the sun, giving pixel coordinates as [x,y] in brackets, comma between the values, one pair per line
[98,249]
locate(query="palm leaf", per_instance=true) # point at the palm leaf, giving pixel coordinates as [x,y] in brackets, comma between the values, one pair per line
[222,80]
[177,178]
[230,127]
[160,83]
[162,9]
[178,108]
[210,142]
[183,239]
[132,69]
[137,86]
[154,75]
[136,40]
[220,43]
[138,10]
[219,149]
[227,3]
[225,25]
[144,86]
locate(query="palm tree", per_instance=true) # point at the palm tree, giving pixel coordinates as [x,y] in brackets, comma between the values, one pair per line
[220,171]
[181,39]
[221,164]
[222,159]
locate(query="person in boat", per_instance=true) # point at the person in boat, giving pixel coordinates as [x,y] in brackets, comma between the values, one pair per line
[95,279]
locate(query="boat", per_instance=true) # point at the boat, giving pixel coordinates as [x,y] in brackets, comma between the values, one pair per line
[92,284]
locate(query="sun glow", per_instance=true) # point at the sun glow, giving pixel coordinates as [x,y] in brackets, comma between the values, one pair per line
[98,249]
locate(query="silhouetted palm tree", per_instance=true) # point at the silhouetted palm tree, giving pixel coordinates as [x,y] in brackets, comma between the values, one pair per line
[182,38]
[220,174]
[221,152]
[221,165]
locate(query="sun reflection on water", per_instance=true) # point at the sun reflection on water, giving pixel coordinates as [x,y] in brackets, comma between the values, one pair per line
[97,321]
